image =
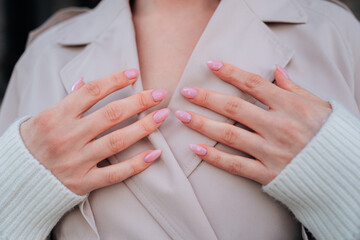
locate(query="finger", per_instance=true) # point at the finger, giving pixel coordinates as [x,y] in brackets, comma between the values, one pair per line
[78,84]
[253,84]
[92,92]
[118,111]
[227,134]
[102,177]
[238,165]
[119,140]
[283,81]
[230,106]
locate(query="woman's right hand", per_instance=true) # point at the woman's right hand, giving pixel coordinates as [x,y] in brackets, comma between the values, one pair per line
[64,142]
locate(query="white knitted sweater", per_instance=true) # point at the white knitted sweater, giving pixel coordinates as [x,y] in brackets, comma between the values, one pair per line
[321,185]
[32,199]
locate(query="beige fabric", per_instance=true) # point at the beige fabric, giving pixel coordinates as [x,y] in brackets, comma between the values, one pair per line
[58,17]
[180,197]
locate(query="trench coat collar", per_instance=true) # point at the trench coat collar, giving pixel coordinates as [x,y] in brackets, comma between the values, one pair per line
[90,25]
[164,189]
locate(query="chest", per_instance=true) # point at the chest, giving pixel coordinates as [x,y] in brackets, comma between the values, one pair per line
[164,50]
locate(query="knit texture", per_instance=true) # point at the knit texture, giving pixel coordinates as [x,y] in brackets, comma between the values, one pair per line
[321,185]
[32,199]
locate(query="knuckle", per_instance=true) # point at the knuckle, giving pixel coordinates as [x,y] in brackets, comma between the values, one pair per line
[116,143]
[204,97]
[231,72]
[116,78]
[228,136]
[217,159]
[199,124]
[93,89]
[253,81]
[235,166]
[146,126]
[135,168]
[113,177]
[233,106]
[234,75]
[142,101]
[113,112]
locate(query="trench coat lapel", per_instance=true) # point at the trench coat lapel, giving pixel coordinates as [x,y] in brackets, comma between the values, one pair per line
[239,38]
[164,188]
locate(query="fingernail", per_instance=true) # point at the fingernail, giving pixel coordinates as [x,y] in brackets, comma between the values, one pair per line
[189,92]
[77,84]
[131,73]
[197,149]
[214,65]
[283,71]
[152,156]
[183,116]
[161,115]
[159,95]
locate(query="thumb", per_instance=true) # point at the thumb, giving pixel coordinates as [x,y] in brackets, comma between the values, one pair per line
[283,81]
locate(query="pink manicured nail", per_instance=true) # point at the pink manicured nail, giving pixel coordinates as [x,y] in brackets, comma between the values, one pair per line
[152,156]
[131,73]
[197,149]
[183,116]
[159,95]
[161,115]
[283,71]
[77,84]
[214,65]
[189,92]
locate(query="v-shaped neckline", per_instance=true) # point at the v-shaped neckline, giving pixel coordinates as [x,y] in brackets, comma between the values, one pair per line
[139,85]
[249,44]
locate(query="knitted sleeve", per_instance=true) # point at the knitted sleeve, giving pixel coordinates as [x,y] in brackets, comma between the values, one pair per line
[32,199]
[321,185]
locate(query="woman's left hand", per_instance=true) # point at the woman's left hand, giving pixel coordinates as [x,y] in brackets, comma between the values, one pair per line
[278,134]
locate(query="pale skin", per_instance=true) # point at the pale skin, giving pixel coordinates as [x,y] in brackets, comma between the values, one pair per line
[158,40]
[65,142]
[279,133]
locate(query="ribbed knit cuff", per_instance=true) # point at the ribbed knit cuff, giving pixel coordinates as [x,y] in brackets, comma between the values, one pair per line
[32,199]
[321,185]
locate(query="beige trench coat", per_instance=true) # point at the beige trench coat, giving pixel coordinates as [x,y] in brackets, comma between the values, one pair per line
[179,196]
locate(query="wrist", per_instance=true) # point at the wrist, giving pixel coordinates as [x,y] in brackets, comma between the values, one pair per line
[32,199]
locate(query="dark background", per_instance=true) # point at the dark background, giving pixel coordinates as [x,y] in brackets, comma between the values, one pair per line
[18,17]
